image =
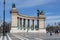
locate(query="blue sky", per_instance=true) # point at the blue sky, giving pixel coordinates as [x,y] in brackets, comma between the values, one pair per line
[30,7]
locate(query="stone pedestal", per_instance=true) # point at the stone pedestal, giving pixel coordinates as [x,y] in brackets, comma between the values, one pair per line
[14,30]
[42,30]
[35,31]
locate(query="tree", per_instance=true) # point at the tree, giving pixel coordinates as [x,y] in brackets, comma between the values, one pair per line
[59,24]
[7,27]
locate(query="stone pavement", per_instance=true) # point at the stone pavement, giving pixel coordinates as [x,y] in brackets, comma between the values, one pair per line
[34,36]
[5,37]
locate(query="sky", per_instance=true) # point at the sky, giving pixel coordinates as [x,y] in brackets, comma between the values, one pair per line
[51,9]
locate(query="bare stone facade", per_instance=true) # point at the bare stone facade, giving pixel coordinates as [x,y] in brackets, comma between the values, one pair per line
[19,21]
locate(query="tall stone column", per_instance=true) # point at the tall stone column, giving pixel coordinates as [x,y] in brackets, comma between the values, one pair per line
[24,24]
[38,19]
[28,27]
[41,18]
[14,20]
[21,23]
[38,24]
[13,13]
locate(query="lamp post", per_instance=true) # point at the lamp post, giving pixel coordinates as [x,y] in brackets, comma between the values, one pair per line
[4,19]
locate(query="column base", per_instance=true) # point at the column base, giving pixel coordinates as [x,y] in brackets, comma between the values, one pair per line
[42,30]
[16,30]
[32,30]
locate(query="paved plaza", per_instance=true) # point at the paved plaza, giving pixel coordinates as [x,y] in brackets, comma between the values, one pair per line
[33,36]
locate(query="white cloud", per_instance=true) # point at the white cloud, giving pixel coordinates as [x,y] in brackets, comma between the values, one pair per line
[31,3]
[27,3]
[52,21]
[48,13]
[52,17]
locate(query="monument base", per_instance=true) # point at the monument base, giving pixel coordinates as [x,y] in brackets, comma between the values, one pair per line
[42,30]
[16,30]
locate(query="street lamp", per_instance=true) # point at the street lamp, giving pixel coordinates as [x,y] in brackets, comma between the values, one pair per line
[4,19]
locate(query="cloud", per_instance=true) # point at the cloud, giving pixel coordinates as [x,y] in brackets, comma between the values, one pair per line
[48,13]
[52,22]
[31,3]
[52,19]
[27,3]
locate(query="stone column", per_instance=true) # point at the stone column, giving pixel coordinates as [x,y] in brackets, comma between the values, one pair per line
[18,23]
[33,25]
[41,23]
[21,23]
[38,24]
[28,24]
[24,24]
[38,19]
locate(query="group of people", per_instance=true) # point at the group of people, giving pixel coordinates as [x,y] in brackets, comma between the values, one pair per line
[56,32]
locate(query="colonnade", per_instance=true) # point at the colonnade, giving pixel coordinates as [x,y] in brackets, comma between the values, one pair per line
[24,24]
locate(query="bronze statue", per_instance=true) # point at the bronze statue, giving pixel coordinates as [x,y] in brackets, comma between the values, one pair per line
[40,13]
[13,6]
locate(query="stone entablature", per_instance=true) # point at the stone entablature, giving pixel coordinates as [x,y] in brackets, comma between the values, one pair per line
[31,17]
